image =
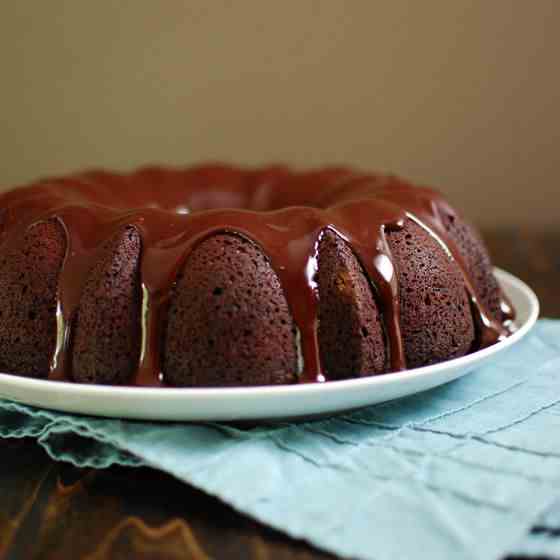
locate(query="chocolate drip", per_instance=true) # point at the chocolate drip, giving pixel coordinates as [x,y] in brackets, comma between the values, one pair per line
[283,212]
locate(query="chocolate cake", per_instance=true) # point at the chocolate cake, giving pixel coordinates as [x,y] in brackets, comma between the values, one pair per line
[222,276]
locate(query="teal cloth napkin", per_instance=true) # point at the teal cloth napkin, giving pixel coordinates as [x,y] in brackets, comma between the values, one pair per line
[462,471]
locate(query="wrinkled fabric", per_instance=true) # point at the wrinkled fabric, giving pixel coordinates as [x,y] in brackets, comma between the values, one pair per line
[462,471]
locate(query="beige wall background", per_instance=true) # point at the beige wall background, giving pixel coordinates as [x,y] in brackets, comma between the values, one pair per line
[463,95]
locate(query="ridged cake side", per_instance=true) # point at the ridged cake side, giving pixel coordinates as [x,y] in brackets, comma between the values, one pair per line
[228,321]
[28,292]
[351,338]
[106,334]
[436,318]
[477,260]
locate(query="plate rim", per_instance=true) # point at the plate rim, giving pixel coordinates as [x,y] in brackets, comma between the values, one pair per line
[116,392]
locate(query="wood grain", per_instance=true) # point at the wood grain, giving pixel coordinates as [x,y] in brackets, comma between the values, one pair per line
[51,511]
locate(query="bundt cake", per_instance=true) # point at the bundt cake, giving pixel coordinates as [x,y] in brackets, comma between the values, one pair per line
[222,276]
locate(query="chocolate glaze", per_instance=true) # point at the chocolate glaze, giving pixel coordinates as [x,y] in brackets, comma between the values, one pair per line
[282,211]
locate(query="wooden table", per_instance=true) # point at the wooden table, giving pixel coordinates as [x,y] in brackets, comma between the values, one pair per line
[49,510]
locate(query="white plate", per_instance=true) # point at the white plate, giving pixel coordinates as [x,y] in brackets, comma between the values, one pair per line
[254,403]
